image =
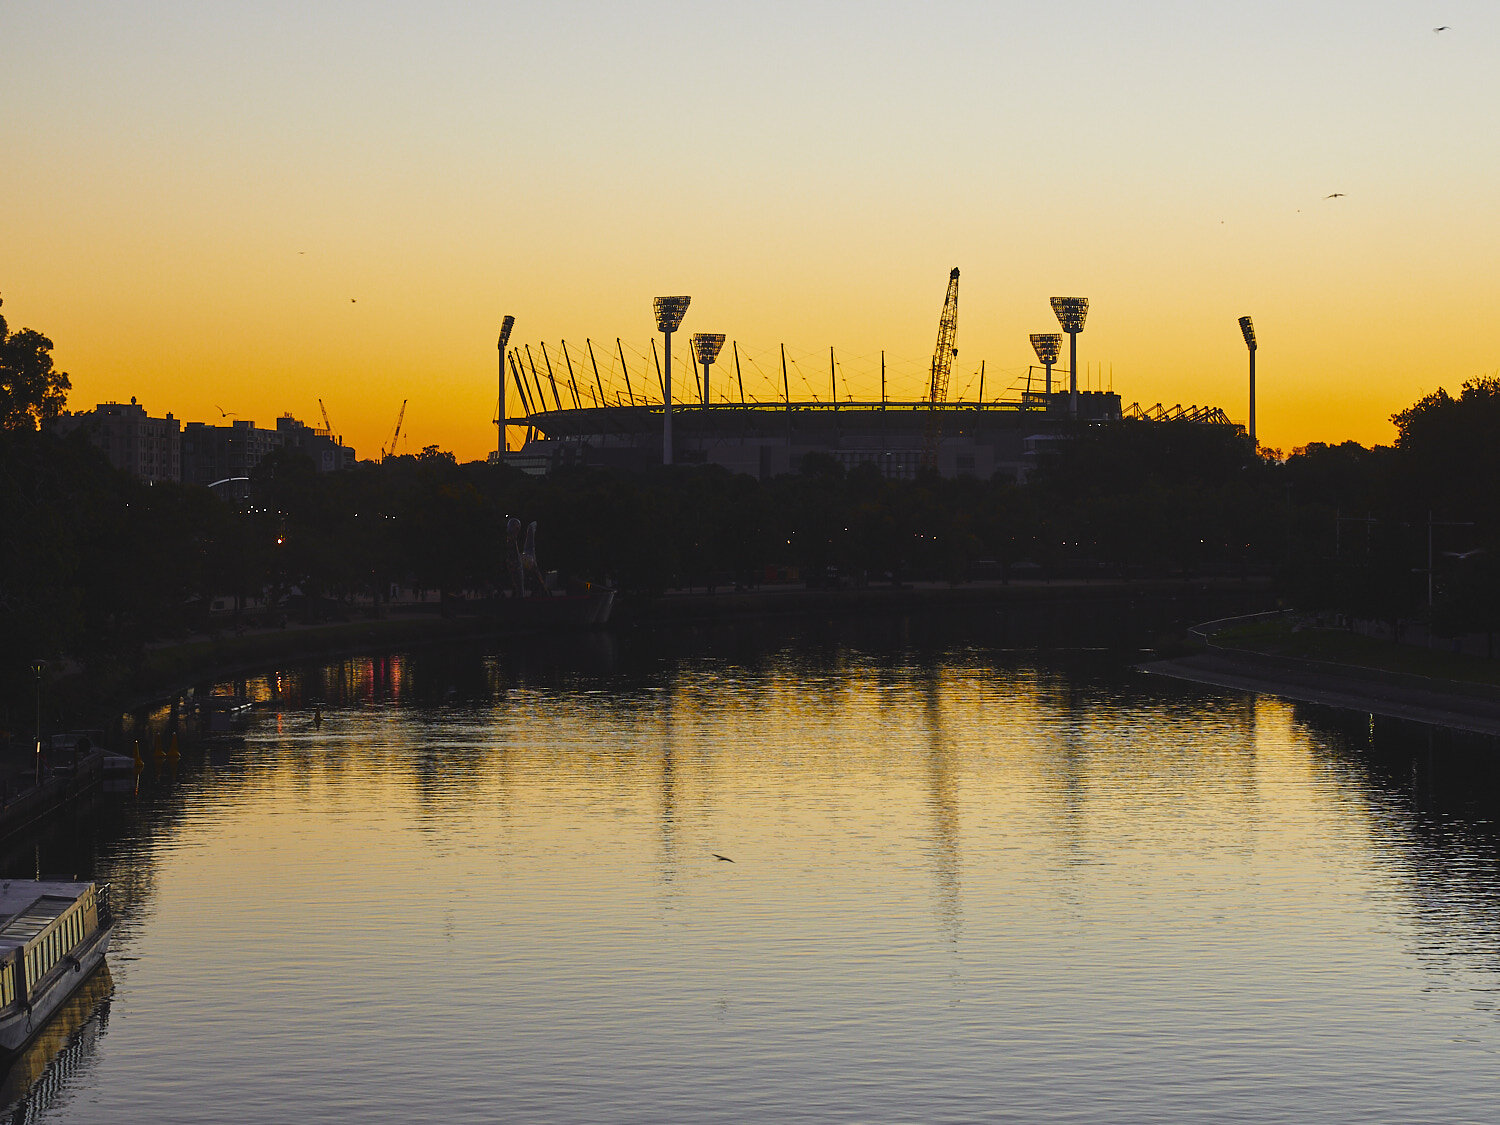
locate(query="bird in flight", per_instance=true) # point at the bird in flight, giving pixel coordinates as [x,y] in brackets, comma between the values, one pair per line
[225,413]
[1445,27]
[1334,195]
[724,858]
[351,300]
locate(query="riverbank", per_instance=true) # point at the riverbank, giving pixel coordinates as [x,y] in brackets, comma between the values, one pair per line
[698,605]
[163,670]
[1335,668]
[23,802]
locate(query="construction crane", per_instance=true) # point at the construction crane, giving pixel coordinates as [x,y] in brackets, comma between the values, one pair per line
[400,417]
[327,425]
[942,366]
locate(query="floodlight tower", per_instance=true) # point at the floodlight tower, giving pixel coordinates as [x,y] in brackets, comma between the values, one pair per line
[706,347]
[1249,332]
[505,326]
[1048,346]
[669,313]
[1071,312]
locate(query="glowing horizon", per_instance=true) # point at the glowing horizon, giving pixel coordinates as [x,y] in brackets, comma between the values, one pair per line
[259,208]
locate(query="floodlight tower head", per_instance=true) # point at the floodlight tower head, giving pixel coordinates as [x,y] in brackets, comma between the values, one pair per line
[706,346]
[1249,330]
[505,326]
[669,312]
[1071,312]
[1048,346]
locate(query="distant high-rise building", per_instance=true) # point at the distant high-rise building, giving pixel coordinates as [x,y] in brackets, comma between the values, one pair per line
[145,447]
[211,454]
[216,453]
[197,452]
[328,453]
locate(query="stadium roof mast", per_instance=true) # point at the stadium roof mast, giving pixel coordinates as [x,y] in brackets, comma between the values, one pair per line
[505,326]
[942,367]
[1248,329]
[1071,313]
[669,314]
[706,347]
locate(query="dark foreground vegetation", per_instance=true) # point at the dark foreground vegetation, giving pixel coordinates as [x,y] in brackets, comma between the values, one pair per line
[95,564]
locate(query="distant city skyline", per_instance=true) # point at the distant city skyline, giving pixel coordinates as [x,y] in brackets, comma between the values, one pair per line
[261,206]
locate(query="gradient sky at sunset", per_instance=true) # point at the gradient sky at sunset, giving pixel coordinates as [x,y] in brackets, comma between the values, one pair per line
[254,205]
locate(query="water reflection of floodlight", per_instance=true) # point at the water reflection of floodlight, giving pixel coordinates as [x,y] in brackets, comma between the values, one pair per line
[505,326]
[669,313]
[1048,346]
[706,347]
[1071,312]
[1248,330]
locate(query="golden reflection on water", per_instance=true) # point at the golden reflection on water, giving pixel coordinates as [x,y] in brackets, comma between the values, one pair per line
[973,867]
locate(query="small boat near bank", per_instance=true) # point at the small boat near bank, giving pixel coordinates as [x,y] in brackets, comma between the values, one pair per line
[53,936]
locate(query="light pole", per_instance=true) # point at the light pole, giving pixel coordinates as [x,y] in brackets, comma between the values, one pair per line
[37,668]
[1071,312]
[505,326]
[1047,346]
[669,313]
[706,347]
[1248,330]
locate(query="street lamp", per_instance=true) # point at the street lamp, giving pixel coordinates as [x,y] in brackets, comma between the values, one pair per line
[505,326]
[1047,345]
[37,668]
[1071,312]
[669,313]
[706,347]
[1248,330]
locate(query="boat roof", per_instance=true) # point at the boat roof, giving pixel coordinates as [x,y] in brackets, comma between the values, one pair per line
[27,907]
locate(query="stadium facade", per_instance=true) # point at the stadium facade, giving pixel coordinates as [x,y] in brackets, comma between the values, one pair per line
[768,439]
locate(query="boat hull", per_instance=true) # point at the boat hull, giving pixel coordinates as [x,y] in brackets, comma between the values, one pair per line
[18,1025]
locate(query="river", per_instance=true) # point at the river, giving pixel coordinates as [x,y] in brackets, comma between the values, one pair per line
[888,874]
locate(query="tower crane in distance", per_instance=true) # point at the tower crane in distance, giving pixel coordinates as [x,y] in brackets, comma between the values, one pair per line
[942,366]
[400,417]
[327,425]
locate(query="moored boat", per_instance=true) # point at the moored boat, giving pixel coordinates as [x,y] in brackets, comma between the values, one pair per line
[53,936]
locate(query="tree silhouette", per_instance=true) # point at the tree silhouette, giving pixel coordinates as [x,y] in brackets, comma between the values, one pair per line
[31,389]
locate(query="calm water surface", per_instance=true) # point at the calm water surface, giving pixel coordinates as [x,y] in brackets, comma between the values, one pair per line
[962,884]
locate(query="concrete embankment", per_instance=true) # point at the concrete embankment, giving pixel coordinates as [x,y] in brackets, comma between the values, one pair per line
[693,606]
[1446,703]
[26,806]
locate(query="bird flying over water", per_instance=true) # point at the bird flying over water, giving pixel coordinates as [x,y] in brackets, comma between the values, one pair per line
[1445,27]
[1334,195]
[725,858]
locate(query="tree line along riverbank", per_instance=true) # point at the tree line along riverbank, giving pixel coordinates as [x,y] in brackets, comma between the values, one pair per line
[97,567]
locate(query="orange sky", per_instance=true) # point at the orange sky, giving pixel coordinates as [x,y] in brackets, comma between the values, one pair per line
[212,207]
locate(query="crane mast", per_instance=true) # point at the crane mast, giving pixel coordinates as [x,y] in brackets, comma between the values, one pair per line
[327,425]
[942,366]
[400,417]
